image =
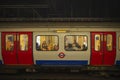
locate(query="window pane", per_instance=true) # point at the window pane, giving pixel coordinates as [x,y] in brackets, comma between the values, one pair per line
[23,42]
[97,42]
[47,43]
[9,42]
[119,42]
[76,43]
[109,42]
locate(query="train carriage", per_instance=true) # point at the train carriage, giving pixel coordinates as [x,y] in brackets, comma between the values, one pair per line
[60,43]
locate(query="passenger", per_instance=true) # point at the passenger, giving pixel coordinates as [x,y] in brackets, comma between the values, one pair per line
[84,47]
[56,47]
[50,47]
[74,47]
[38,46]
[44,46]
[69,47]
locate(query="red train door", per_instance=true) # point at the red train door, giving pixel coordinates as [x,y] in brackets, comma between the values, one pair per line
[17,47]
[9,48]
[25,48]
[103,46]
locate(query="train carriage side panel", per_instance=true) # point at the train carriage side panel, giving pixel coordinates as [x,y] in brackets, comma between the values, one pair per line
[61,56]
[118,49]
[43,55]
[0,50]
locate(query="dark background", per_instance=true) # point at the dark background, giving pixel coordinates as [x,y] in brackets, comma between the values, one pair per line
[60,9]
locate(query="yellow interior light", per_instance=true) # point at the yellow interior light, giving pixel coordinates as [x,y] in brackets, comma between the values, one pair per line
[61,31]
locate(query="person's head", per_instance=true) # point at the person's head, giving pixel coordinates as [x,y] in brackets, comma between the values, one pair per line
[69,45]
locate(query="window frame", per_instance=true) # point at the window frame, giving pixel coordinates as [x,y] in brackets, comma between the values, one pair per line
[46,35]
[76,50]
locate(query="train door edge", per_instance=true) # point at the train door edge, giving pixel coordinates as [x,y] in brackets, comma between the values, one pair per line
[1,60]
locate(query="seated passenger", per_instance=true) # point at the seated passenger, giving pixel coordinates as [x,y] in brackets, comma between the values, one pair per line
[38,46]
[75,47]
[84,47]
[56,47]
[69,47]
[44,46]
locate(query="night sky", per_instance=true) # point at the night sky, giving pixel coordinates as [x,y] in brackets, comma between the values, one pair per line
[62,9]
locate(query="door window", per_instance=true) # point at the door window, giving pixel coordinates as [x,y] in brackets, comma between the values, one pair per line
[23,42]
[109,42]
[97,42]
[9,42]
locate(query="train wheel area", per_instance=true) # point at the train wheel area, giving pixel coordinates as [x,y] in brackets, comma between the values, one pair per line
[36,72]
[13,69]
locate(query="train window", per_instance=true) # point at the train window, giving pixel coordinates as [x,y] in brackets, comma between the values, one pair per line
[23,42]
[76,43]
[47,43]
[119,42]
[9,42]
[109,42]
[97,42]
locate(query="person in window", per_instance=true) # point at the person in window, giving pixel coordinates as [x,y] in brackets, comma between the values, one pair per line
[44,46]
[38,46]
[84,46]
[69,47]
[55,47]
[50,47]
[76,46]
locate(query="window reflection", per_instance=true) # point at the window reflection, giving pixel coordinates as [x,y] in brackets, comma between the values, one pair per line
[24,42]
[9,42]
[47,43]
[76,43]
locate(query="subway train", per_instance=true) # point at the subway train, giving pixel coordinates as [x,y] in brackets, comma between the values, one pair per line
[60,43]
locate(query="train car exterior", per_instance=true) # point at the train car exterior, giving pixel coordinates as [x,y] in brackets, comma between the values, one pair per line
[96,44]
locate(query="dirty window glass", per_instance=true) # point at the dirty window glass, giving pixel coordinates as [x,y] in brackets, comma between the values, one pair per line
[97,42]
[47,43]
[9,42]
[76,43]
[109,42]
[23,42]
